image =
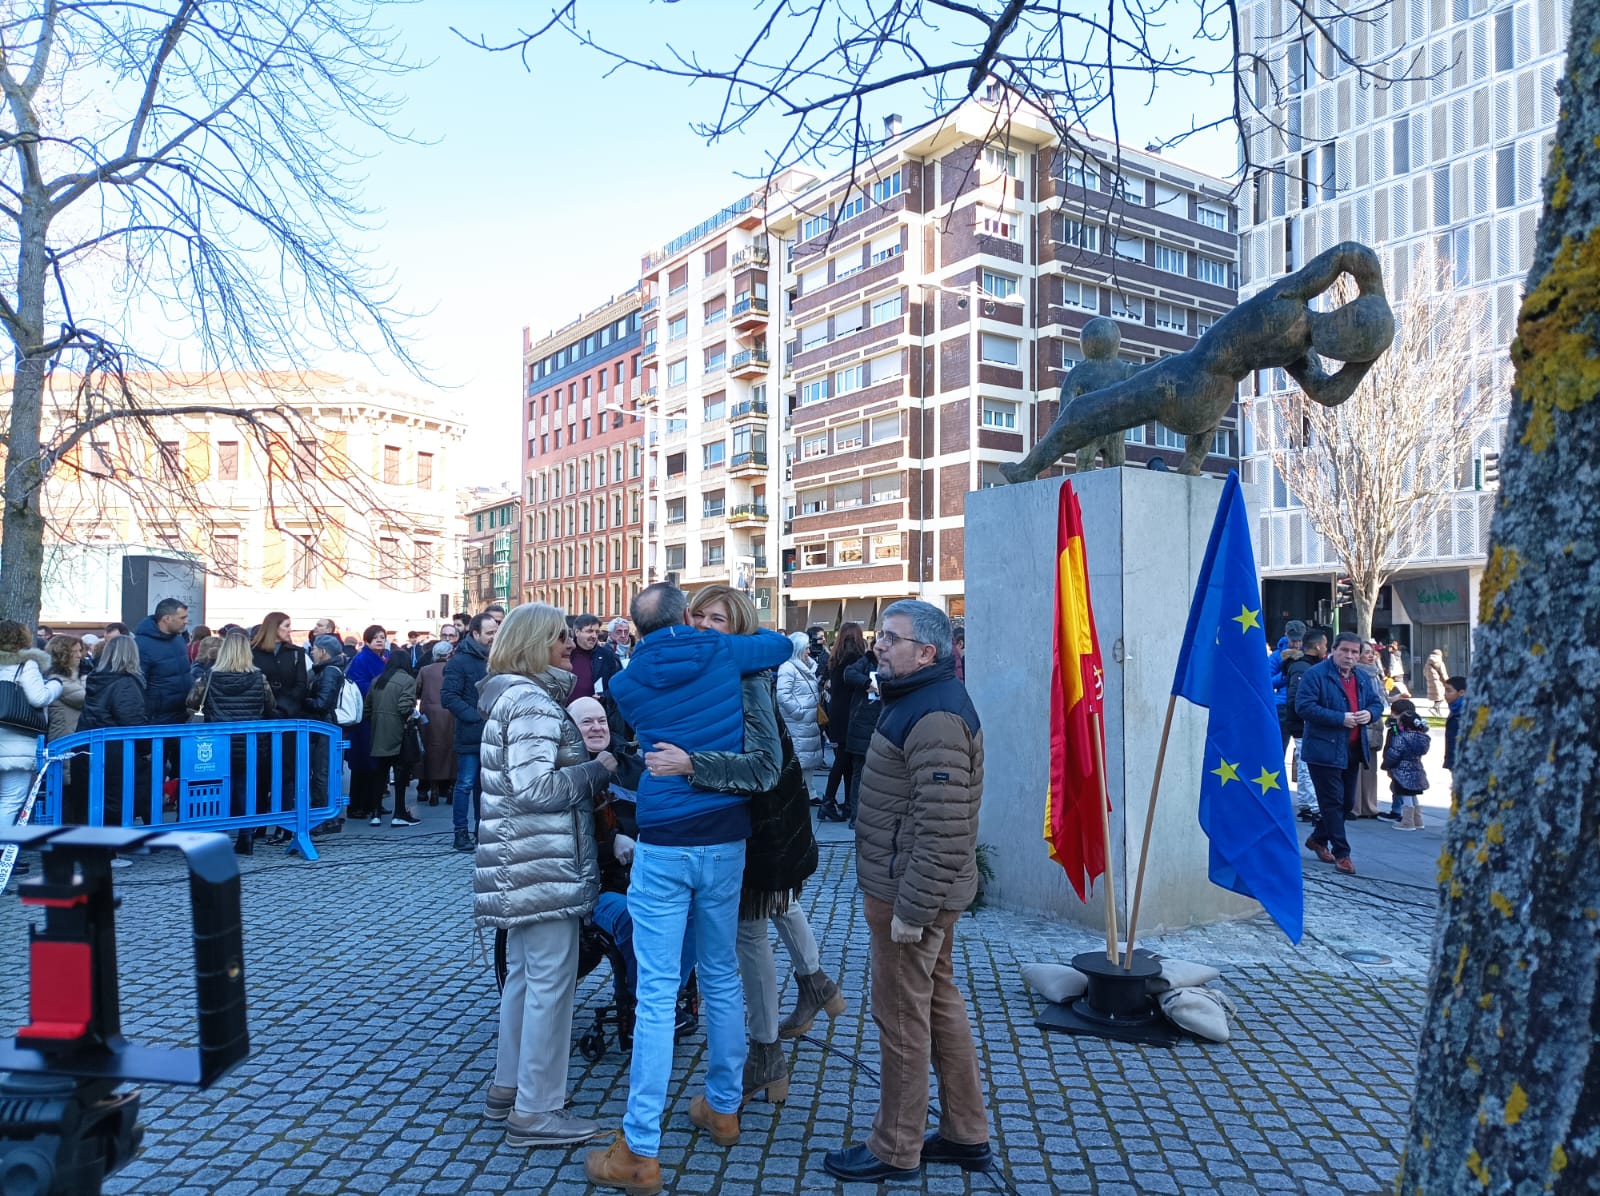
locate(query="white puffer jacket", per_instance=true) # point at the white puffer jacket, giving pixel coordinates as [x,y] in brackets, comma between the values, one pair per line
[798,694]
[18,749]
[536,857]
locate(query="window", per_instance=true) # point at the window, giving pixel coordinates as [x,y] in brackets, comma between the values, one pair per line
[1081,174]
[425,471]
[716,406]
[716,259]
[1001,286]
[996,222]
[1129,248]
[997,414]
[172,459]
[1078,234]
[675,557]
[1134,435]
[678,372]
[815,446]
[846,322]
[847,552]
[227,463]
[716,502]
[1002,161]
[885,489]
[1209,270]
[847,264]
[716,357]
[845,439]
[1127,307]
[225,555]
[814,279]
[1168,439]
[1203,322]
[813,335]
[1213,217]
[814,226]
[677,328]
[813,392]
[422,564]
[1222,443]
[388,562]
[712,554]
[391,464]
[885,189]
[885,547]
[1171,316]
[813,502]
[813,556]
[714,454]
[887,309]
[884,428]
[716,310]
[1003,350]
[1081,295]
[1173,261]
[884,248]
[881,369]
[1400,140]
[1504,60]
[677,464]
[853,207]
[678,279]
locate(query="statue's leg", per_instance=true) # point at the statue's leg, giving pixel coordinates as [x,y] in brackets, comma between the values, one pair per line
[1196,448]
[1088,418]
[1116,450]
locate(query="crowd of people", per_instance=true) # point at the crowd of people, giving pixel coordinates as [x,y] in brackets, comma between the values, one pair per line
[1344,705]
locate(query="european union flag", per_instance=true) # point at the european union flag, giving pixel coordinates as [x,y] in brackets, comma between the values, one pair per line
[1244,798]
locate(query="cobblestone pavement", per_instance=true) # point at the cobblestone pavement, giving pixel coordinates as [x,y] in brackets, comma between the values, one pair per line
[372,1025]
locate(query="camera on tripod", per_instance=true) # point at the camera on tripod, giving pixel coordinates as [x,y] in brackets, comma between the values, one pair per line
[63,1125]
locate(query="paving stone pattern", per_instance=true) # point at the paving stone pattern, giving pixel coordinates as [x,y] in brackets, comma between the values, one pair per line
[372,1017]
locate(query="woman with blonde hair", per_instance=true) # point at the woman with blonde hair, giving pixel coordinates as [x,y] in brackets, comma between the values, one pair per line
[536,872]
[780,855]
[236,691]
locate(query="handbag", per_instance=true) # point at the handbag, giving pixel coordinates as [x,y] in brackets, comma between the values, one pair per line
[411,742]
[19,714]
[199,714]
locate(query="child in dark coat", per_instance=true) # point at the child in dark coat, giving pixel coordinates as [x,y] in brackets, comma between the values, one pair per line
[1403,750]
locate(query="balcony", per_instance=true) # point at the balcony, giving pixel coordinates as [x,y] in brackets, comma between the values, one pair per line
[749,363]
[748,514]
[750,312]
[649,306]
[750,409]
[648,352]
[747,463]
[755,256]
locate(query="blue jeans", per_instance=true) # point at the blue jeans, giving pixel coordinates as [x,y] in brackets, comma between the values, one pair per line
[611,915]
[468,786]
[667,884]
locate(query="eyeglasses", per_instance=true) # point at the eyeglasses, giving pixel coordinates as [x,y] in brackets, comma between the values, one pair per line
[566,634]
[889,639]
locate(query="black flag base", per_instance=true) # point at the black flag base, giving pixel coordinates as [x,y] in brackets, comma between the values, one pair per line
[1118,1005]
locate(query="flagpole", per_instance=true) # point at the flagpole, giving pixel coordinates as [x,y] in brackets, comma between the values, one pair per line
[1110,891]
[1149,825]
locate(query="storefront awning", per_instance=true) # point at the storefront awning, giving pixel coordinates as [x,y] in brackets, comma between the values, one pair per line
[861,610]
[825,612]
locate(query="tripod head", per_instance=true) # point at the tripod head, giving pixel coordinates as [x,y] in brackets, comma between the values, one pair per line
[63,1125]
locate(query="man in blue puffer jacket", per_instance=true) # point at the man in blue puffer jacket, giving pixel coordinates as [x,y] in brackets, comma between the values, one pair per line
[682,689]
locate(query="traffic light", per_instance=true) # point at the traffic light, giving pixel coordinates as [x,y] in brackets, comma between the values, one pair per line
[1344,592]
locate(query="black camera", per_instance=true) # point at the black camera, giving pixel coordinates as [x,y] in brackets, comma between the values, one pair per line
[63,1125]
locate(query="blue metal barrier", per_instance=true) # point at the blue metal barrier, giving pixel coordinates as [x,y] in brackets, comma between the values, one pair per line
[217,765]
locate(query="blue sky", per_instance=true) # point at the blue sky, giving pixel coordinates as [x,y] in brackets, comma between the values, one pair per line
[531,195]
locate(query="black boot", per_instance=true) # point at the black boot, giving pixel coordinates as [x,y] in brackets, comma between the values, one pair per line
[245,844]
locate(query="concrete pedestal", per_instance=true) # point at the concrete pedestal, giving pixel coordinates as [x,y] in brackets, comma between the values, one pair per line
[1145,536]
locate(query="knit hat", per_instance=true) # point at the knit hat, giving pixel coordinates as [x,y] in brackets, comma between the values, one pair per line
[329,644]
[1295,629]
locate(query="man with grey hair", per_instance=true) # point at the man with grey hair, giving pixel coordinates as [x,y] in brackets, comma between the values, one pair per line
[916,863]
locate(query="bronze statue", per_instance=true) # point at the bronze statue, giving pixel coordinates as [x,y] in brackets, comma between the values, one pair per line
[1100,338]
[1191,391]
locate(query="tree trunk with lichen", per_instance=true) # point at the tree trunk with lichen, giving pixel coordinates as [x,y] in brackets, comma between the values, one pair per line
[1508,1083]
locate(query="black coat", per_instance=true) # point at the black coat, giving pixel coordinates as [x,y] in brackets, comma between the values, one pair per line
[1292,721]
[839,701]
[232,697]
[113,700]
[285,670]
[863,710]
[165,659]
[463,673]
[322,695]
[781,853]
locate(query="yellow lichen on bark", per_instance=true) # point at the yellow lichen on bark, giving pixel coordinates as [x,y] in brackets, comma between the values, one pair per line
[1522,722]
[1504,565]
[1558,367]
[1516,1104]
[1480,721]
[1501,902]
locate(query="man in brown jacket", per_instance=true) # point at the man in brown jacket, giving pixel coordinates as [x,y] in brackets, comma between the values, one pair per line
[916,862]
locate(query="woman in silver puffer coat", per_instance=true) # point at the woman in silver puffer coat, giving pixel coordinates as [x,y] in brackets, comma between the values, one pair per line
[799,696]
[536,873]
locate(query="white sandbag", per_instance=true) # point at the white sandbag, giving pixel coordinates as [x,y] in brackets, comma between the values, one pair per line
[1201,1011]
[1055,981]
[1179,973]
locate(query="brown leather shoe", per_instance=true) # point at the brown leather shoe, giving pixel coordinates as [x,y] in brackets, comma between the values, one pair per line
[723,1127]
[618,1167]
[1346,865]
[1321,849]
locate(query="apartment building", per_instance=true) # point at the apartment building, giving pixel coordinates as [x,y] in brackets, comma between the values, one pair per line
[710,417]
[583,431]
[932,303]
[1451,160]
[355,523]
[491,552]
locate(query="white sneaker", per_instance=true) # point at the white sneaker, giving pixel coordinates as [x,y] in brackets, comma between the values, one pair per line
[375,820]
[558,1127]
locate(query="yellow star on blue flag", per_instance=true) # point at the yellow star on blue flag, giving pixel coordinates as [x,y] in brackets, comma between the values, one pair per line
[1254,848]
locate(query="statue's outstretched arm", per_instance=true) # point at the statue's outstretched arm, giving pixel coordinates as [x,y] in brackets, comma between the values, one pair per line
[1320,273]
[1328,389]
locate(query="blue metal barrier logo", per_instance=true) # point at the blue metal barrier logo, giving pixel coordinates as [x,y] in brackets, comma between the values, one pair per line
[204,758]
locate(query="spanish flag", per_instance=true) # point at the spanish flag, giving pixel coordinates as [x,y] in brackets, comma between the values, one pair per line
[1072,818]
